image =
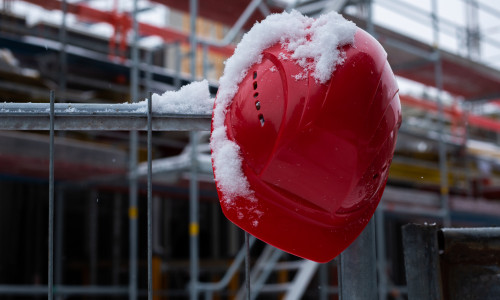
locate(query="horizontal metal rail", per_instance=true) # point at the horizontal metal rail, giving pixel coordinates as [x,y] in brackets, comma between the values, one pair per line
[6,289]
[84,116]
[238,260]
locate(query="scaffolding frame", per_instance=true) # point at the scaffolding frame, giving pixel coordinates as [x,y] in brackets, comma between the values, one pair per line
[67,116]
[54,117]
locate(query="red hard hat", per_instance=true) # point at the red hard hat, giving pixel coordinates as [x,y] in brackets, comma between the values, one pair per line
[316,156]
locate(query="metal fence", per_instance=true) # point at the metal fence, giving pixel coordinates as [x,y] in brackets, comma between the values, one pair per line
[79,117]
[358,259]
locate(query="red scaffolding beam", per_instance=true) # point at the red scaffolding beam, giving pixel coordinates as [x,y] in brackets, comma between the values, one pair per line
[454,113]
[122,23]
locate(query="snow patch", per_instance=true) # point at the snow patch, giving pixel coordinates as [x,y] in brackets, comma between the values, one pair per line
[192,99]
[312,43]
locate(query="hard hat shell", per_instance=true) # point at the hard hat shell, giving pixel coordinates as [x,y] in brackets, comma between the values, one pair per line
[315,155]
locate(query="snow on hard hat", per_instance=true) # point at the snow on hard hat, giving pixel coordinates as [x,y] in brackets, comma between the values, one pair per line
[303,132]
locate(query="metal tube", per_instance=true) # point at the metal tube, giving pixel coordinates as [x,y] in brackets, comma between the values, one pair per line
[323,281]
[467,160]
[149,73]
[438,73]
[247,264]
[267,264]
[486,239]
[93,239]
[264,9]
[178,65]
[13,109]
[133,214]
[51,201]
[80,116]
[369,18]
[247,13]
[62,51]
[134,52]
[239,258]
[381,251]
[59,238]
[358,271]
[193,182]
[376,225]
[133,184]
[193,11]
[150,200]
[206,64]
[117,237]
[194,226]
[6,289]
[468,258]
[421,253]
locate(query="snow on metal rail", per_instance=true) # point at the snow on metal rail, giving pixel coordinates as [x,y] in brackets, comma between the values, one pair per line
[86,116]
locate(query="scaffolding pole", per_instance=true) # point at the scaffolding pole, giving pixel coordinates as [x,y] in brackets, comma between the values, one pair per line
[438,77]
[194,227]
[133,151]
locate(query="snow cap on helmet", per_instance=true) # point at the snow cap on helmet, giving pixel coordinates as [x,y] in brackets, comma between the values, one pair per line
[303,132]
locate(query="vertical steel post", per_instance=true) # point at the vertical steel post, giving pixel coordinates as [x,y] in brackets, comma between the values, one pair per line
[117,236]
[194,227]
[59,238]
[379,244]
[369,18]
[206,64]
[148,73]
[62,52]
[381,250]
[358,271]
[51,200]
[438,73]
[133,184]
[150,199]
[323,281]
[193,10]
[133,214]
[421,254]
[193,183]
[473,33]
[93,220]
[467,161]
[178,64]
[247,265]
[377,222]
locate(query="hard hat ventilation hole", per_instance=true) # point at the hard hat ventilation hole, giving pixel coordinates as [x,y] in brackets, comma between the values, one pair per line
[257,105]
[255,85]
[254,74]
[255,95]
[262,121]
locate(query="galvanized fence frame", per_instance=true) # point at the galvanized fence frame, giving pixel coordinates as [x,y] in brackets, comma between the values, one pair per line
[100,117]
[358,258]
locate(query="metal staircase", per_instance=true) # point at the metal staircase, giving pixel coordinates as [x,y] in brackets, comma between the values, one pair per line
[269,262]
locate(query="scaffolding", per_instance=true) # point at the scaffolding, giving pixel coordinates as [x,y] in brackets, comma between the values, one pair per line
[466,78]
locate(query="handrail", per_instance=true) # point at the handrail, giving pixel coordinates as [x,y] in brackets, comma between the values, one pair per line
[96,116]
[219,285]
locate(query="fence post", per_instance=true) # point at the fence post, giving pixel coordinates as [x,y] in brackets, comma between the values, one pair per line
[420,246]
[358,267]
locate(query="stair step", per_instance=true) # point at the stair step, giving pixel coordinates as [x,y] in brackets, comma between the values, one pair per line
[289,265]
